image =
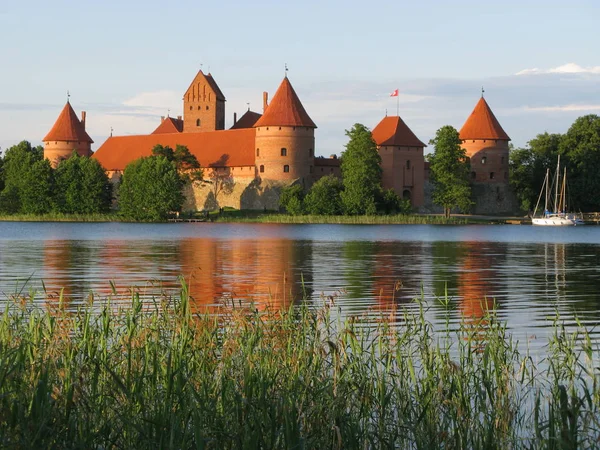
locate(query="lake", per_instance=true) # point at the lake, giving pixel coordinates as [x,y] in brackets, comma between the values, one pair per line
[526,273]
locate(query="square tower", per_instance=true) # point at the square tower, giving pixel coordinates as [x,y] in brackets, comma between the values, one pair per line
[203,105]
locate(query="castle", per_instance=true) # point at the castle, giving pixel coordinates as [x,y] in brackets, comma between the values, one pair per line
[261,153]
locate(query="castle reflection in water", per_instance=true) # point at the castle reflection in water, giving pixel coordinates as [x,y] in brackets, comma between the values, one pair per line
[370,277]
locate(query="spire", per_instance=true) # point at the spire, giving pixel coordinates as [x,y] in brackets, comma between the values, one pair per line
[68,127]
[482,124]
[285,109]
[393,131]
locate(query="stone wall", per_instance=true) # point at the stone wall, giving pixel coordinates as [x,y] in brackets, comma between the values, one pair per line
[240,194]
[489,199]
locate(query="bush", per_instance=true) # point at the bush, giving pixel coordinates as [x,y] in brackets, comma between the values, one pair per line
[324,197]
[291,199]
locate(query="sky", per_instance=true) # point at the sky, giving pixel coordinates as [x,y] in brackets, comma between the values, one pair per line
[128,62]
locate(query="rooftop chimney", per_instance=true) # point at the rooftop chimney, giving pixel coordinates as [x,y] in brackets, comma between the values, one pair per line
[83,119]
[162,119]
[234,118]
[178,117]
[265,101]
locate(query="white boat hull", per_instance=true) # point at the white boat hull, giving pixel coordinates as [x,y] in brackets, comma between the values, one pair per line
[557,221]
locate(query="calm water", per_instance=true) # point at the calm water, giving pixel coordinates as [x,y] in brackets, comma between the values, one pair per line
[530,272]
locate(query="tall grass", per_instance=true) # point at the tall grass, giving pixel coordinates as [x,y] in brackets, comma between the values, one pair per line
[366,220]
[160,375]
[60,217]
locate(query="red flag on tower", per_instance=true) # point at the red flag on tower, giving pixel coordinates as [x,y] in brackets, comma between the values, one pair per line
[394,93]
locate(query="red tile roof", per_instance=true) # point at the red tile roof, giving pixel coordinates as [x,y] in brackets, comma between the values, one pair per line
[225,148]
[482,124]
[208,78]
[68,128]
[247,120]
[169,125]
[394,132]
[285,109]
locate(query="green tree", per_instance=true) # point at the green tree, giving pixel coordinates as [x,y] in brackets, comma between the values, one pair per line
[18,162]
[361,172]
[449,171]
[38,188]
[82,186]
[528,167]
[581,147]
[324,197]
[291,199]
[150,189]
[187,164]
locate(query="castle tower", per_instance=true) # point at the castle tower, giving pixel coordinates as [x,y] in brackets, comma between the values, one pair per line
[486,144]
[203,105]
[285,138]
[402,161]
[66,136]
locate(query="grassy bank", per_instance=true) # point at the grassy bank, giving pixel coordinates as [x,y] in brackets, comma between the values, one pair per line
[58,217]
[242,217]
[160,376]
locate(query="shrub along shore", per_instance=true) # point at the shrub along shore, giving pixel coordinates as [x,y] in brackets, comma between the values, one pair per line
[161,375]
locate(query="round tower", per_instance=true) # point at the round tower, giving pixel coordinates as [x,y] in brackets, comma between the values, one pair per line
[285,139]
[486,144]
[68,135]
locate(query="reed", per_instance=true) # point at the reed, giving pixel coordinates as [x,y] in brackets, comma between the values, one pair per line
[160,375]
[60,217]
[363,220]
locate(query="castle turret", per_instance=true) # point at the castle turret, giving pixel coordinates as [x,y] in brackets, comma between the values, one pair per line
[203,105]
[285,138]
[486,144]
[68,135]
[402,161]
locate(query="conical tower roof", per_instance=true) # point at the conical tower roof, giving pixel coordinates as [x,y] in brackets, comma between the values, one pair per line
[285,109]
[394,132]
[68,128]
[482,124]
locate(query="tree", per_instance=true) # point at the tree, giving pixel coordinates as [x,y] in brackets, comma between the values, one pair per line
[18,162]
[324,197]
[580,146]
[82,186]
[449,171]
[38,188]
[186,163]
[150,189]
[361,172]
[220,181]
[291,199]
[528,167]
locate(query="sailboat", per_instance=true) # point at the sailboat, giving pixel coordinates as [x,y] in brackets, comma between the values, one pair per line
[555,209]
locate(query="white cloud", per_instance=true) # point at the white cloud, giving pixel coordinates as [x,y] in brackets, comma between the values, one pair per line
[565,68]
[157,99]
[563,108]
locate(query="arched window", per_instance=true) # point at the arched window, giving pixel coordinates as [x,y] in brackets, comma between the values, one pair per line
[310,152]
[261,168]
[197,122]
[491,175]
[483,159]
[408,163]
[406,194]
[258,152]
[283,151]
[473,175]
[286,168]
[207,107]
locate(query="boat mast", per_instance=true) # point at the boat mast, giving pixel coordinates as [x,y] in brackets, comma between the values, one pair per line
[557,182]
[563,193]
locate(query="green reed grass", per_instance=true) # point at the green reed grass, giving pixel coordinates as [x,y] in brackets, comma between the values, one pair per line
[366,220]
[60,217]
[160,375]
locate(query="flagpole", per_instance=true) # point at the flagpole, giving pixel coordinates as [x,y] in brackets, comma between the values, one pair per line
[398,105]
